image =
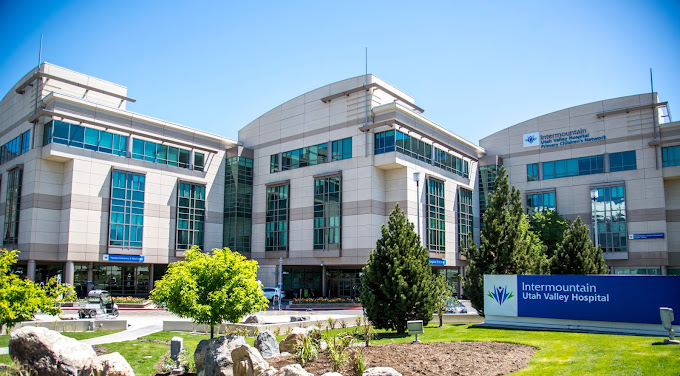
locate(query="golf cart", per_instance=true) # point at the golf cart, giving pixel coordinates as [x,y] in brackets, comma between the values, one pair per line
[99,304]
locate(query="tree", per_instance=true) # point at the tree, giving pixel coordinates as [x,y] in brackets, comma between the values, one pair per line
[398,283]
[444,298]
[21,298]
[507,244]
[550,226]
[577,254]
[211,288]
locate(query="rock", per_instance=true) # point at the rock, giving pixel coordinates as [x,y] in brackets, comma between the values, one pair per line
[381,371]
[254,319]
[114,365]
[331,374]
[49,353]
[299,318]
[248,362]
[213,356]
[266,343]
[288,343]
[293,370]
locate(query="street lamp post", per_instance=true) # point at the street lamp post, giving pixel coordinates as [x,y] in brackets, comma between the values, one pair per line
[594,196]
[416,178]
[280,280]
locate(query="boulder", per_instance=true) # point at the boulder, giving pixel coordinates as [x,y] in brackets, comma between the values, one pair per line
[213,356]
[254,319]
[248,362]
[332,374]
[299,318]
[114,365]
[49,353]
[293,370]
[266,343]
[295,336]
[381,371]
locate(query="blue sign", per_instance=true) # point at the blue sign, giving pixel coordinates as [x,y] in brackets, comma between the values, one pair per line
[613,298]
[124,258]
[436,261]
[656,235]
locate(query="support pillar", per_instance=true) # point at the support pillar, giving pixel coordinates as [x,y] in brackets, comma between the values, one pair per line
[151,281]
[90,276]
[68,272]
[323,280]
[30,270]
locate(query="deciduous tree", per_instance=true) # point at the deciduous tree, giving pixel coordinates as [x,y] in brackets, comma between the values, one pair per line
[211,288]
[550,226]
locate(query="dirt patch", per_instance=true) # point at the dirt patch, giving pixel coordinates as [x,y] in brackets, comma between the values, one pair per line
[442,358]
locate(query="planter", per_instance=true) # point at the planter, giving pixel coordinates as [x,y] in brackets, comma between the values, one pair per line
[324,305]
[144,304]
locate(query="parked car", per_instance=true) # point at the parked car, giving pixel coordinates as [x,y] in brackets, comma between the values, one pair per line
[454,306]
[272,293]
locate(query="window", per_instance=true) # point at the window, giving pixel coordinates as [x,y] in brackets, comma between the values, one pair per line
[276,227]
[671,156]
[14,148]
[436,217]
[273,163]
[414,147]
[199,161]
[190,215]
[12,207]
[164,154]
[573,167]
[78,136]
[451,163]
[303,157]
[532,172]
[540,201]
[327,216]
[238,203]
[487,184]
[126,221]
[638,271]
[622,161]
[465,236]
[609,213]
[384,142]
[342,149]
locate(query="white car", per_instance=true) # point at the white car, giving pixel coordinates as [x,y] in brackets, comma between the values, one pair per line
[271,293]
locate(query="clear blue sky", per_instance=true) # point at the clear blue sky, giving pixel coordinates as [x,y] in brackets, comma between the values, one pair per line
[475,67]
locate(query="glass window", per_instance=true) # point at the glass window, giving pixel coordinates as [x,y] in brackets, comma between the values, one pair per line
[540,201]
[532,172]
[327,215]
[436,218]
[276,226]
[126,221]
[238,203]
[573,167]
[16,147]
[342,149]
[465,235]
[12,207]
[91,139]
[622,161]
[487,184]
[451,163]
[76,136]
[638,271]
[199,161]
[273,163]
[671,156]
[86,138]
[190,215]
[413,147]
[384,142]
[609,213]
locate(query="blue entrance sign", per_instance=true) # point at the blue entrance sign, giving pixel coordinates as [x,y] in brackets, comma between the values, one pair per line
[656,235]
[124,258]
[613,298]
[435,261]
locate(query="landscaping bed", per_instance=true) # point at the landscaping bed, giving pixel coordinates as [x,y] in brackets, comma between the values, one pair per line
[445,358]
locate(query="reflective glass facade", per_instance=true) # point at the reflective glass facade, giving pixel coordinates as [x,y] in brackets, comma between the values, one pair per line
[487,184]
[622,161]
[276,227]
[238,203]
[573,167]
[451,163]
[307,156]
[436,217]
[190,215]
[465,234]
[81,137]
[14,148]
[670,156]
[540,201]
[274,163]
[609,212]
[163,154]
[327,214]
[532,172]
[12,207]
[126,221]
[341,149]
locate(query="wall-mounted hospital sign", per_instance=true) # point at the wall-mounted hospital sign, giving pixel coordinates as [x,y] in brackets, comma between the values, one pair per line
[531,139]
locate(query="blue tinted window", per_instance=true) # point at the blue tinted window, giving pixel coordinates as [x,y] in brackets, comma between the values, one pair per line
[532,172]
[126,220]
[622,161]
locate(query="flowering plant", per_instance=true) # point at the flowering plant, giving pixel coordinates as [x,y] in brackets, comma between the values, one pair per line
[326,300]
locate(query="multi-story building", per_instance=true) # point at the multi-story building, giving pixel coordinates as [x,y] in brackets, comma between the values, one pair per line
[100,196]
[614,163]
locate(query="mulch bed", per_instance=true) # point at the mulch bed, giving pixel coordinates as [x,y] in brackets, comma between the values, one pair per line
[442,358]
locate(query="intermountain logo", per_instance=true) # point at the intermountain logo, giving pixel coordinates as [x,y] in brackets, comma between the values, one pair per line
[500,294]
[531,139]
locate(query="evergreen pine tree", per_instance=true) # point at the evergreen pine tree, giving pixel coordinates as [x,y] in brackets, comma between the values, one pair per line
[398,283]
[507,244]
[577,254]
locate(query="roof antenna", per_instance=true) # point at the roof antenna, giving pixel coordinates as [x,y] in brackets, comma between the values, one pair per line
[654,112]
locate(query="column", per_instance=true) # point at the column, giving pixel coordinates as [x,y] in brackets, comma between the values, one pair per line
[68,272]
[30,270]
[90,276]
[151,281]
[323,280]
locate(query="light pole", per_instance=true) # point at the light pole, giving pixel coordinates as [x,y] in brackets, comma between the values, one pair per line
[280,280]
[416,178]
[594,196]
